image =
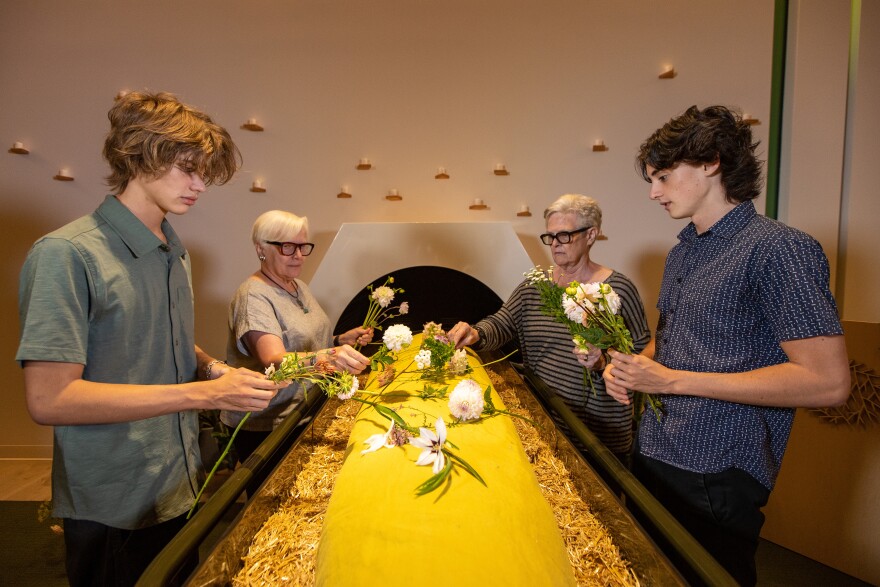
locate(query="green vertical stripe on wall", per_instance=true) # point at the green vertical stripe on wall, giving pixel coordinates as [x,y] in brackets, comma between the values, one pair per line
[777,91]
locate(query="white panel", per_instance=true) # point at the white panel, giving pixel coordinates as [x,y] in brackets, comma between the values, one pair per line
[364,251]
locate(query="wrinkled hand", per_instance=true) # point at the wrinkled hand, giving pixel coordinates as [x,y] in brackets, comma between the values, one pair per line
[359,336]
[589,356]
[242,390]
[635,373]
[345,358]
[463,334]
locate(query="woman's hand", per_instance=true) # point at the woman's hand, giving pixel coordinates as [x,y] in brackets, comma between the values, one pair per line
[590,357]
[345,358]
[356,337]
[463,334]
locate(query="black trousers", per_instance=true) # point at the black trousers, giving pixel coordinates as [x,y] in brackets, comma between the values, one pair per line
[99,555]
[722,511]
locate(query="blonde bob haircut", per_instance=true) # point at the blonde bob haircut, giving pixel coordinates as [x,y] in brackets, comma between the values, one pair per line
[278,226]
[151,132]
[585,208]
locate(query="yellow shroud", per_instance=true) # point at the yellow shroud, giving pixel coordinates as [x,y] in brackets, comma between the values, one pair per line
[377,531]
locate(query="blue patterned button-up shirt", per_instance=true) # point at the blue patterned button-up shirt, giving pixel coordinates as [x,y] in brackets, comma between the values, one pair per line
[729,297]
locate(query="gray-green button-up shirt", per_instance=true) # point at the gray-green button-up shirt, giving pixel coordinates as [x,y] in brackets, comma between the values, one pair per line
[105,292]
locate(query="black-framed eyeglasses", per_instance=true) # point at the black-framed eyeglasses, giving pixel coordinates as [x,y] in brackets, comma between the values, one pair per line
[563,236]
[289,249]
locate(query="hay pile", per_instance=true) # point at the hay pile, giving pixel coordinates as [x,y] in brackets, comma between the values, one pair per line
[284,550]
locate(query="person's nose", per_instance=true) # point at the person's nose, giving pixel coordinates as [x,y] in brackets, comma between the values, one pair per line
[655,192]
[197,184]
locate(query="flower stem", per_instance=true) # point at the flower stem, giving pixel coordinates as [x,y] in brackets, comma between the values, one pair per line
[216,465]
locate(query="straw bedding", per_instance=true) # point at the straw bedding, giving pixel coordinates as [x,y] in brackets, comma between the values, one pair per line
[284,550]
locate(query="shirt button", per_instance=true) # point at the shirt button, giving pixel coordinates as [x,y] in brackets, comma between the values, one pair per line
[678,280]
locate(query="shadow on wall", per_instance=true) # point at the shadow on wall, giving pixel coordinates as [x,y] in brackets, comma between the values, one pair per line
[649,274]
[20,228]
[211,311]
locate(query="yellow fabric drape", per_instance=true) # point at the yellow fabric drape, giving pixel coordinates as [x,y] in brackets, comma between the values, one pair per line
[377,531]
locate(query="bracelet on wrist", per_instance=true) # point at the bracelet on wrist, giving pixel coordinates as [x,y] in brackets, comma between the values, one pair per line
[210,366]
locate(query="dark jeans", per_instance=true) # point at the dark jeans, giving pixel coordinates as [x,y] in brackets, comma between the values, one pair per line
[722,511]
[99,555]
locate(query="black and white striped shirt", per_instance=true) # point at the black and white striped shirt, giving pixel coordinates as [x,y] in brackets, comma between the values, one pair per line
[546,347]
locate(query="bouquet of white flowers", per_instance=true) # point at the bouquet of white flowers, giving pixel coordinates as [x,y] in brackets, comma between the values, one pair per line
[591,311]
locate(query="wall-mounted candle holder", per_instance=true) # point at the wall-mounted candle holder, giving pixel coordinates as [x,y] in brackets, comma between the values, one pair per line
[258,186]
[364,165]
[501,169]
[441,173]
[63,175]
[750,120]
[120,94]
[601,237]
[344,192]
[252,125]
[18,148]
[393,196]
[599,145]
[668,73]
[478,204]
[524,211]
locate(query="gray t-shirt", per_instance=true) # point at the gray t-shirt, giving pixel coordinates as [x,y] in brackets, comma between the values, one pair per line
[105,292]
[259,306]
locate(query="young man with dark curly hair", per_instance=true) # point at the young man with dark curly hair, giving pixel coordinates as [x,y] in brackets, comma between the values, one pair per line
[108,345]
[748,332]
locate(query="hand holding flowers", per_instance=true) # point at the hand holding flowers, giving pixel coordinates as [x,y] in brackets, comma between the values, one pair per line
[294,367]
[591,311]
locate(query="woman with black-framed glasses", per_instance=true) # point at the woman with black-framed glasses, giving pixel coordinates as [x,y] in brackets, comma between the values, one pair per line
[573,224]
[274,313]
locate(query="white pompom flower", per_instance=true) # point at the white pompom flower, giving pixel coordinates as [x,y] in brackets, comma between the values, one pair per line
[466,400]
[383,295]
[423,359]
[397,337]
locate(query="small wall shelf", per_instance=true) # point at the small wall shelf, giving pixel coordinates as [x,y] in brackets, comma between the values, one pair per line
[18,149]
[343,194]
[364,165]
[252,125]
[668,73]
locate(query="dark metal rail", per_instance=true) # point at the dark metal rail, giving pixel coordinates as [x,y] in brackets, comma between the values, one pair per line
[166,566]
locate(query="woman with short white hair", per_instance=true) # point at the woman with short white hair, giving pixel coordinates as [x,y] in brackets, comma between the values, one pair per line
[573,224]
[273,313]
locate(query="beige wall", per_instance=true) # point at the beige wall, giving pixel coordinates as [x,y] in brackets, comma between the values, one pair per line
[410,85]
[413,86]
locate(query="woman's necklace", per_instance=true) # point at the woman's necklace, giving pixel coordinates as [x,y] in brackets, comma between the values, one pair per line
[295,295]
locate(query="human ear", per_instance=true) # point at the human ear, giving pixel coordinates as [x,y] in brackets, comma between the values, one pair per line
[712,168]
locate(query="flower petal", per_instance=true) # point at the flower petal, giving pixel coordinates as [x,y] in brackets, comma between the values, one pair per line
[375,441]
[439,462]
[427,457]
[441,431]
